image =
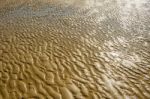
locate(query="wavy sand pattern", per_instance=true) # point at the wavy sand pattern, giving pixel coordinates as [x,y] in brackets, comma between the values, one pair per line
[74,49]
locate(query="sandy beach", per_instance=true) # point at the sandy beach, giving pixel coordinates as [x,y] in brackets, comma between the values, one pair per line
[74,49]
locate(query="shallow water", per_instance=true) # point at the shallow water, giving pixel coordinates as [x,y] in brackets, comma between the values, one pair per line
[73,49]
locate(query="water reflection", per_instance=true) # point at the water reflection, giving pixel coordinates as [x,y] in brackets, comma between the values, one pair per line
[132,14]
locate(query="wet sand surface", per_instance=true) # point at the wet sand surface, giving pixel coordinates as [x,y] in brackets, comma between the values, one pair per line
[74,49]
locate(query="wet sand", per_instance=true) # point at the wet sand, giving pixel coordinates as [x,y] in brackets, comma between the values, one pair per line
[75,49]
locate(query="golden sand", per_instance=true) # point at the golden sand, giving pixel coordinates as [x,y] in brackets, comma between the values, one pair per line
[74,49]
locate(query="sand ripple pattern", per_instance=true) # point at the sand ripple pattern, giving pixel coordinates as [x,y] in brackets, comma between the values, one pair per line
[75,49]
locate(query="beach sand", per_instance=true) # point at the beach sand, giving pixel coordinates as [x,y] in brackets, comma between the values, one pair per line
[74,49]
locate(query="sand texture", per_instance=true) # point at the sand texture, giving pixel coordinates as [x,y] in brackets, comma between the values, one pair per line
[74,49]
